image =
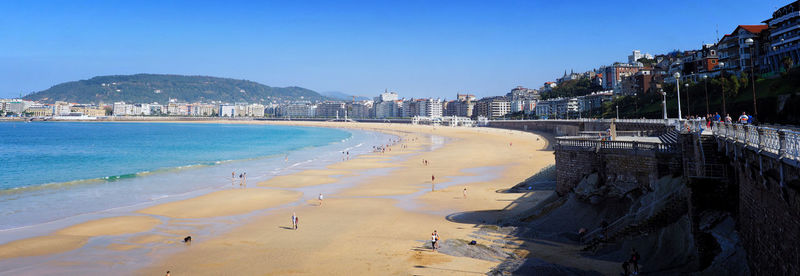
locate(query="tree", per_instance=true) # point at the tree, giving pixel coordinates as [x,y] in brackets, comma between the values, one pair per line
[735,85]
[787,63]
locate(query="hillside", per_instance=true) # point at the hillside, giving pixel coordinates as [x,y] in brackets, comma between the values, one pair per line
[336,95]
[148,88]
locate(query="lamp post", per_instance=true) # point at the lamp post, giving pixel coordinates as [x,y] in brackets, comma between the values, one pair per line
[677,76]
[705,84]
[664,102]
[617,111]
[750,43]
[688,101]
[722,67]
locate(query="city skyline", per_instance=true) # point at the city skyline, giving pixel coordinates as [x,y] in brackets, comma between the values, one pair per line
[418,49]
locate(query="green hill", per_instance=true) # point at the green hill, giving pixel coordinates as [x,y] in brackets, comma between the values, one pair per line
[148,88]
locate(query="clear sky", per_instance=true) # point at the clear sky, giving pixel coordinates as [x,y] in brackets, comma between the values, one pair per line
[417,48]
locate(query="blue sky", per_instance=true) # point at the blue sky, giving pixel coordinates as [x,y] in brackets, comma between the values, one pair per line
[417,48]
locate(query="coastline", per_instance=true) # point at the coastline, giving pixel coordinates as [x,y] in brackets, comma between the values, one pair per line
[377,198]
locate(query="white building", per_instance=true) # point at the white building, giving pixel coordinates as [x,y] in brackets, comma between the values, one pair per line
[122,109]
[227,110]
[433,107]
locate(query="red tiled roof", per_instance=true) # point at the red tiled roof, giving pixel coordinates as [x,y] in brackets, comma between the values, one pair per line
[754,29]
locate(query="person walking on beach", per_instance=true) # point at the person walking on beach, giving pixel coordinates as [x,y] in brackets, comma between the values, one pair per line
[465,192]
[432,183]
[635,261]
[294,221]
[320,199]
[434,240]
[233,178]
[244,179]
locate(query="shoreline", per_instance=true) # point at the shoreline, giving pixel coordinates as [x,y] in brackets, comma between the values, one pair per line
[48,192]
[398,163]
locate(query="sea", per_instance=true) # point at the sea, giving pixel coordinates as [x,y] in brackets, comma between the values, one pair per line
[54,173]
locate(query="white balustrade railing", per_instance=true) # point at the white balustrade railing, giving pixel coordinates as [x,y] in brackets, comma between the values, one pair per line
[782,142]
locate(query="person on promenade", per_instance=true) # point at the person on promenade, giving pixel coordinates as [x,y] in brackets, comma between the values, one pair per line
[717,118]
[320,199]
[626,268]
[635,261]
[728,118]
[743,118]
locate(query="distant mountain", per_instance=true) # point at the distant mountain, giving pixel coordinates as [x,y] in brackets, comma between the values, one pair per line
[342,96]
[148,88]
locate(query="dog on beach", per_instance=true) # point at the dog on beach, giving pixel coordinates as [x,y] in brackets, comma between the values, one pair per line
[187,239]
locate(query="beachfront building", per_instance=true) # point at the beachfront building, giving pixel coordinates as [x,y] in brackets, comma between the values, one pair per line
[61,108]
[463,106]
[88,110]
[40,110]
[330,110]
[227,110]
[784,37]
[200,109]
[359,109]
[493,107]
[251,110]
[121,109]
[16,106]
[299,109]
[387,105]
[177,109]
[544,109]
[430,107]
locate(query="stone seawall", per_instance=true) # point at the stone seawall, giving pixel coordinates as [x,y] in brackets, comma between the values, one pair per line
[620,167]
[769,209]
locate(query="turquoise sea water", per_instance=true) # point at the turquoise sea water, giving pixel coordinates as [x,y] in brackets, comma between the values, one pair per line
[57,173]
[48,152]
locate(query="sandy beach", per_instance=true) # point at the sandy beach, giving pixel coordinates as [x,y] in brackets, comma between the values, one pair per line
[378,224]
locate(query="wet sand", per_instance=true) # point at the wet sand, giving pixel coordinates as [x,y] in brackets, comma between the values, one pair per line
[376,226]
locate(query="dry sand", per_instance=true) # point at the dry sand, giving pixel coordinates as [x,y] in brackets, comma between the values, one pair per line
[354,232]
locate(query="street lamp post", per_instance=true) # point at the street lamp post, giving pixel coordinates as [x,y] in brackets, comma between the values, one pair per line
[677,76]
[705,84]
[664,102]
[722,73]
[750,43]
[688,101]
[618,112]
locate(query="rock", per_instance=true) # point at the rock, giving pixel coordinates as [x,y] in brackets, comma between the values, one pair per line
[462,248]
[587,187]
